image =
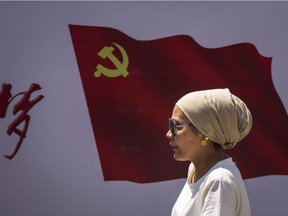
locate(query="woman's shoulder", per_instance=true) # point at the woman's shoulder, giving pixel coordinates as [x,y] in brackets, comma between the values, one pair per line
[225,171]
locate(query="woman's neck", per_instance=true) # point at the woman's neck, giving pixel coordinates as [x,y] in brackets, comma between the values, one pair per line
[202,166]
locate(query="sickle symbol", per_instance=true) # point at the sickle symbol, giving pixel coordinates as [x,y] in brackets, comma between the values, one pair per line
[121,68]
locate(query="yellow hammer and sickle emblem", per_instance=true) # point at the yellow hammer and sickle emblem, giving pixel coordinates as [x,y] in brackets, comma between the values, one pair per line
[121,67]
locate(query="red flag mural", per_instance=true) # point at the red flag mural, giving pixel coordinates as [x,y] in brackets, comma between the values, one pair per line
[131,87]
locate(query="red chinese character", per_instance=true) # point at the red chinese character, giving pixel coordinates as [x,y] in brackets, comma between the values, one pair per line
[22,107]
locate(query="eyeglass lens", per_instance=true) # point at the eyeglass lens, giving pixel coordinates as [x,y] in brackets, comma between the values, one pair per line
[172,126]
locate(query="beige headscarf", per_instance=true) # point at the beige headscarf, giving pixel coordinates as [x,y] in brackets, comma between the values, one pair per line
[218,114]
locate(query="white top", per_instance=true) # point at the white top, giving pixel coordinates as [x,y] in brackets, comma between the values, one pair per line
[220,192]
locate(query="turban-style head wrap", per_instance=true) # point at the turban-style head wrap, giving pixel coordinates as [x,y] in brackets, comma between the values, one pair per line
[217,114]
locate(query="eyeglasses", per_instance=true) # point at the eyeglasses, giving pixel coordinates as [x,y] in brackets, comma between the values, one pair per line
[173,127]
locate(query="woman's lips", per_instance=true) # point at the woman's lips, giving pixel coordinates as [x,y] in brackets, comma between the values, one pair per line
[173,145]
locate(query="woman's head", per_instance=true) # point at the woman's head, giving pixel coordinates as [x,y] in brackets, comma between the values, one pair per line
[217,114]
[184,137]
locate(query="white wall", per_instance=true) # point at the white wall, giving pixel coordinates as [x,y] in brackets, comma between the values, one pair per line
[57,170]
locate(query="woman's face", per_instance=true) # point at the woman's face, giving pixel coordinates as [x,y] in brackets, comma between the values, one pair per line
[186,144]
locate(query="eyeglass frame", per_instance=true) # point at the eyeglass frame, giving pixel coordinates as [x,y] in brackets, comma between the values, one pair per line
[173,127]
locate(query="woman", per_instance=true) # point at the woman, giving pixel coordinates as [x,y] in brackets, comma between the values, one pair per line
[203,123]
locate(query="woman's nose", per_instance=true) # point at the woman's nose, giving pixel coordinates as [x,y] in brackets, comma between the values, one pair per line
[169,134]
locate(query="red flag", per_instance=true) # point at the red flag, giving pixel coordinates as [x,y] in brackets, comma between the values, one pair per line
[131,87]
